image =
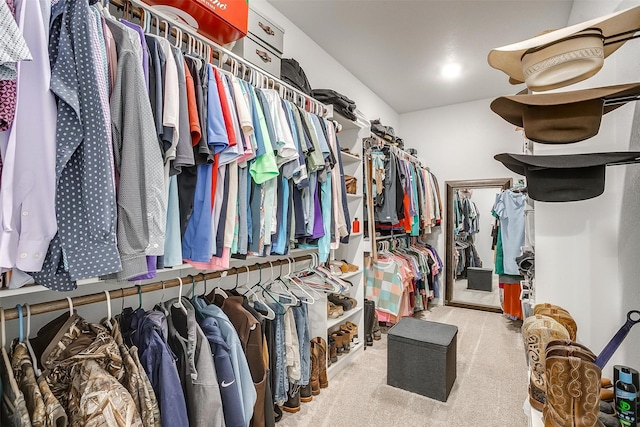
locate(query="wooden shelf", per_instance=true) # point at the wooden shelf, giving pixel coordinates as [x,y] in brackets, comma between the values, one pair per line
[341,319]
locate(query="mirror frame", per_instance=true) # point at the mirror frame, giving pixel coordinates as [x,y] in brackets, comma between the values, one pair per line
[505,184]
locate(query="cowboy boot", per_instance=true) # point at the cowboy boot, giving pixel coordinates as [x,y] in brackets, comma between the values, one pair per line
[314,379]
[537,331]
[292,405]
[561,315]
[572,392]
[322,361]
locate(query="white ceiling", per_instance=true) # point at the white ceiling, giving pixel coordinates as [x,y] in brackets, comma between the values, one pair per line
[396,47]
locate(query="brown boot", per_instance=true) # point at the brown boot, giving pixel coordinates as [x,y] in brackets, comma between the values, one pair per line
[314,379]
[573,388]
[537,331]
[322,361]
[559,314]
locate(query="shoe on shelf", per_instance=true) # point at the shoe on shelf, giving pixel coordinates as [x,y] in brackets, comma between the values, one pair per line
[348,268]
[345,301]
[343,341]
[333,353]
[335,268]
[334,311]
[352,328]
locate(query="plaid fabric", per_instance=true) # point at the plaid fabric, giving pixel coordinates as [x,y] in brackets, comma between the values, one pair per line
[385,287]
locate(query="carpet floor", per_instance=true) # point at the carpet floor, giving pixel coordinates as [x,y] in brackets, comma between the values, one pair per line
[489,391]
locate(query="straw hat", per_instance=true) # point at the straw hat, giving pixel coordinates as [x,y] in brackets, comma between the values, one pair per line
[565,178]
[568,55]
[563,117]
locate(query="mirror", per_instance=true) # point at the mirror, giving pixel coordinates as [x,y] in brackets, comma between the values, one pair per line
[470,256]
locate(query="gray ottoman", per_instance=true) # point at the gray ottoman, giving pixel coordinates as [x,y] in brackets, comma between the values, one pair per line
[421,357]
[480,279]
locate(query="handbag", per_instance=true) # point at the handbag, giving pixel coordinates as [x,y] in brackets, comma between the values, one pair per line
[351,183]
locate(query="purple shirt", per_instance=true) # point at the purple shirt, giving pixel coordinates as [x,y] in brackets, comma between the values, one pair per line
[145,50]
[28,215]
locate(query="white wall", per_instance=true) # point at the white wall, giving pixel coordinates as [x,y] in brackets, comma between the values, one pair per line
[323,71]
[458,142]
[586,252]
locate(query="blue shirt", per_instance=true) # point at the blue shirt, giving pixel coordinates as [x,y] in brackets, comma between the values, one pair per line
[509,207]
[196,243]
[216,131]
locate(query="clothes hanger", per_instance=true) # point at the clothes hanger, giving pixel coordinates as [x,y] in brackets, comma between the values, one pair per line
[287,293]
[20,323]
[139,296]
[310,299]
[179,303]
[270,313]
[107,321]
[70,306]
[264,290]
[219,291]
[34,360]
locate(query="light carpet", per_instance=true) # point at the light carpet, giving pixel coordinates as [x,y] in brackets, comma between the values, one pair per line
[490,388]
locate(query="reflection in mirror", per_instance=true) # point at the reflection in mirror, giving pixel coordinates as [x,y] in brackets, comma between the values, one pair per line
[471,281]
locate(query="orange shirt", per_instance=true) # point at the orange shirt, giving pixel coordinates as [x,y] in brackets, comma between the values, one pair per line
[194,118]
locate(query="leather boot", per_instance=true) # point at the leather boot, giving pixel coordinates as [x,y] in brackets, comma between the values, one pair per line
[292,405]
[573,387]
[305,393]
[369,313]
[559,314]
[322,361]
[314,379]
[333,353]
[537,332]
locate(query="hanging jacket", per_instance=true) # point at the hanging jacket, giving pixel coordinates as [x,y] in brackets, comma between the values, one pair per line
[233,412]
[195,365]
[157,359]
[83,367]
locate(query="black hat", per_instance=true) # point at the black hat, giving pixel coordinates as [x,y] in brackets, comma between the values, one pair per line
[565,178]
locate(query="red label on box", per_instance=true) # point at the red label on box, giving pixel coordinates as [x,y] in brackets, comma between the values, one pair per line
[222,21]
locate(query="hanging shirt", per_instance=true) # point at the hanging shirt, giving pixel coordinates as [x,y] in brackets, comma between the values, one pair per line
[196,242]
[28,191]
[184,150]
[85,245]
[509,207]
[264,167]
[216,127]
[141,197]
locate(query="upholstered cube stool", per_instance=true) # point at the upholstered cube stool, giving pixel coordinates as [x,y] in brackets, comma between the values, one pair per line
[421,357]
[480,279]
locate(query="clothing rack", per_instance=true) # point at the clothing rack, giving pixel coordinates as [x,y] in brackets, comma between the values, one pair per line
[63,304]
[208,49]
[376,141]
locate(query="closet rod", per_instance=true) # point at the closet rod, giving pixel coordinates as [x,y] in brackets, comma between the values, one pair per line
[396,150]
[63,304]
[219,50]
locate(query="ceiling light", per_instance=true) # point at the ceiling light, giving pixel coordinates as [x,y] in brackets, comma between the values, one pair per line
[451,70]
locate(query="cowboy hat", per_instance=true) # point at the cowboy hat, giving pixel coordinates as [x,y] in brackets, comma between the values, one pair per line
[562,57]
[565,178]
[563,117]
